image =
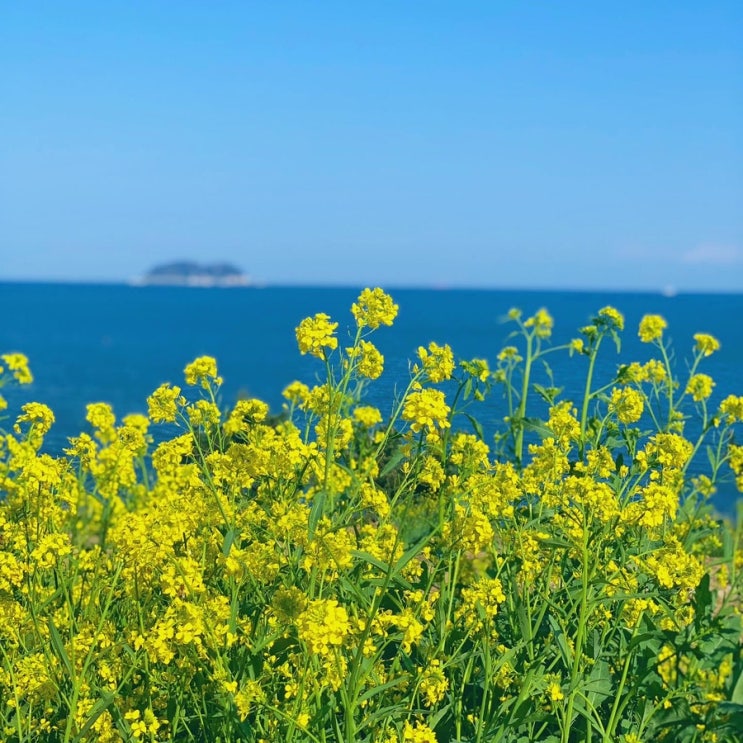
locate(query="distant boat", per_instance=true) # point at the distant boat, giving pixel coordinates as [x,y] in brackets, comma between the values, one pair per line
[188,273]
[669,291]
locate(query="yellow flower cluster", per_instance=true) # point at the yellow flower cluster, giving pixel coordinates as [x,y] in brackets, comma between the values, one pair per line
[651,328]
[315,334]
[202,371]
[373,308]
[426,410]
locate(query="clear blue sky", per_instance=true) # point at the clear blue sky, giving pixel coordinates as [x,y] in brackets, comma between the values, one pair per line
[507,144]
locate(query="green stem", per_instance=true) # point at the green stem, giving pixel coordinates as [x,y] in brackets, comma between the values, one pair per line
[521,412]
[587,394]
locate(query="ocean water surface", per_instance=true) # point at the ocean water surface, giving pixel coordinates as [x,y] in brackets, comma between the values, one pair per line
[117,343]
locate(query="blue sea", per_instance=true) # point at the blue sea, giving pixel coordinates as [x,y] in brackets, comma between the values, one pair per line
[117,343]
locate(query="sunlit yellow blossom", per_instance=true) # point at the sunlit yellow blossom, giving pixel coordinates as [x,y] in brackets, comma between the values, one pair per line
[735,454]
[651,328]
[509,353]
[245,414]
[732,406]
[370,361]
[563,424]
[420,733]
[542,323]
[478,368]
[163,403]
[433,683]
[297,393]
[426,409]
[577,345]
[18,364]
[554,691]
[480,603]
[202,371]
[706,344]
[203,413]
[627,404]
[315,334]
[373,308]
[438,362]
[38,416]
[367,415]
[432,473]
[612,316]
[700,387]
[323,625]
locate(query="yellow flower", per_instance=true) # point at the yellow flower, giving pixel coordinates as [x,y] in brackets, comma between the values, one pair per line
[438,362]
[732,406]
[371,361]
[426,409]
[314,334]
[555,692]
[421,733]
[651,328]
[296,393]
[612,316]
[433,683]
[201,370]
[542,323]
[38,415]
[700,387]
[627,404]
[373,308]
[367,415]
[509,353]
[18,364]
[706,344]
[163,403]
[323,625]
[477,368]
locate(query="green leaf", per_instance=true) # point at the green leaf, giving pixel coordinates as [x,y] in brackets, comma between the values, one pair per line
[703,599]
[229,539]
[562,643]
[396,459]
[318,506]
[59,649]
[737,696]
[538,426]
[476,425]
[96,711]
[467,391]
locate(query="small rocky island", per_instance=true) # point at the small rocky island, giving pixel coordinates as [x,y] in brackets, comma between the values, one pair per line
[188,273]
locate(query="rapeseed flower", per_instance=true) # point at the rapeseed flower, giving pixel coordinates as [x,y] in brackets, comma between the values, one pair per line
[18,365]
[163,403]
[627,404]
[203,371]
[542,323]
[370,362]
[426,409]
[315,334]
[612,316]
[651,328]
[438,362]
[373,308]
[706,344]
[700,387]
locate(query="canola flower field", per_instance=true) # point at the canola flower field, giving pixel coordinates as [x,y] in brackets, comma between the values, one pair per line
[344,573]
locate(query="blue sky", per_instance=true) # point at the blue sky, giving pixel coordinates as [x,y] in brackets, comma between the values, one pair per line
[497,144]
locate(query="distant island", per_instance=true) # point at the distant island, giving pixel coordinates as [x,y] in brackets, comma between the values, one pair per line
[188,273]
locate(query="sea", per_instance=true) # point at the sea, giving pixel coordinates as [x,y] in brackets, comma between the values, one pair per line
[117,343]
